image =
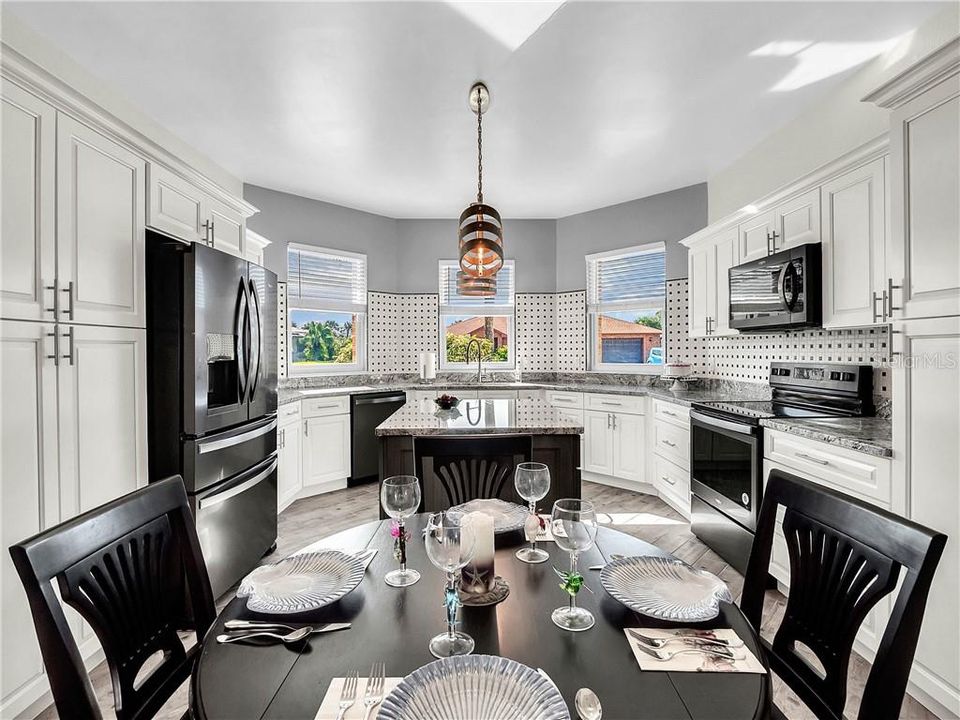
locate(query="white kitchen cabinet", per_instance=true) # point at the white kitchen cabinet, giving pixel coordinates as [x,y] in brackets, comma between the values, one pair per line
[27,184]
[29,489]
[613,442]
[597,442]
[101,188]
[791,223]
[628,446]
[254,246]
[755,233]
[853,247]
[708,265]
[289,454]
[326,452]
[926,457]
[174,205]
[226,228]
[673,484]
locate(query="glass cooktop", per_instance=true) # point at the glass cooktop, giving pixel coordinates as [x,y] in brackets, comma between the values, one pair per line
[761,409]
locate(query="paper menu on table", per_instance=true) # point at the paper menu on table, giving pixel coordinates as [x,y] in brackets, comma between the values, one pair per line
[744,662]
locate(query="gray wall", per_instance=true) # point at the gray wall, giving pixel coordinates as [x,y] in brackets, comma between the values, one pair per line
[402,255]
[420,243]
[668,217]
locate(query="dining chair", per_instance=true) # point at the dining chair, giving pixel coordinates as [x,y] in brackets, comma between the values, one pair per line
[456,470]
[133,570]
[845,555]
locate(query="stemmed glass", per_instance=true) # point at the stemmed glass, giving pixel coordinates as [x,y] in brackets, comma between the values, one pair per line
[533,483]
[573,524]
[450,546]
[400,497]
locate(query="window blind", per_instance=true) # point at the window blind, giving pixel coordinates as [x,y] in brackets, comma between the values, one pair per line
[627,279]
[452,302]
[326,279]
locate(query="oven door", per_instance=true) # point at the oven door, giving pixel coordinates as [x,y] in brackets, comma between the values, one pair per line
[725,466]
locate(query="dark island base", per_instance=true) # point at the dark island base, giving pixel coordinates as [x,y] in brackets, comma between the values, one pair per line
[561,453]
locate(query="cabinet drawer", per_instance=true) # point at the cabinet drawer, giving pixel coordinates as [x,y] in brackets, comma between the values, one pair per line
[859,474]
[615,403]
[672,480]
[288,413]
[671,413]
[320,407]
[561,398]
[530,394]
[672,443]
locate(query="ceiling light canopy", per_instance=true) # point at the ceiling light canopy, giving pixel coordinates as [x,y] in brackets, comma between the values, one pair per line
[481,229]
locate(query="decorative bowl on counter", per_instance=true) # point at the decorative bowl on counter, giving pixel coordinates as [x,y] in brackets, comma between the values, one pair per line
[445,402]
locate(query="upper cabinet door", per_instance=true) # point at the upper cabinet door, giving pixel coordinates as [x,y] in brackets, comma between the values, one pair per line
[174,206]
[725,257]
[853,238]
[228,229]
[27,176]
[702,282]
[755,237]
[923,256]
[101,189]
[798,221]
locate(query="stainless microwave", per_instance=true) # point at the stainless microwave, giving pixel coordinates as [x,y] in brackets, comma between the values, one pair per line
[781,290]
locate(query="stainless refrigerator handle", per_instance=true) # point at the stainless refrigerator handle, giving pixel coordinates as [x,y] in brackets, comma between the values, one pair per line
[218,498]
[204,448]
[239,322]
[256,326]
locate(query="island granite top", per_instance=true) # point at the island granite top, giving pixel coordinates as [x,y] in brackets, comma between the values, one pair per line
[479,417]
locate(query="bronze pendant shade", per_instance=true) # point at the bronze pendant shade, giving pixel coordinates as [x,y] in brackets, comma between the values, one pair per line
[480,229]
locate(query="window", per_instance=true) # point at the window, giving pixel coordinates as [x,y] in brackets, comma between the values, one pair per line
[487,320]
[625,307]
[326,310]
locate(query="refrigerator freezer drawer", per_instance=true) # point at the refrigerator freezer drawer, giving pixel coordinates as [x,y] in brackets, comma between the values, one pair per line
[213,458]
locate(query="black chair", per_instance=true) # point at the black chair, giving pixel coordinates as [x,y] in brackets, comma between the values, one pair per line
[845,555]
[134,571]
[456,470]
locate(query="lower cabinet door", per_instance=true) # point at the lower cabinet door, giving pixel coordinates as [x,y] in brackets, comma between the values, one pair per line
[628,441]
[290,477]
[326,449]
[597,442]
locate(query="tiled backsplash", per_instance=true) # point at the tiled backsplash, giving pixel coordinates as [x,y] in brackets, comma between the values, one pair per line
[400,327]
[536,331]
[572,331]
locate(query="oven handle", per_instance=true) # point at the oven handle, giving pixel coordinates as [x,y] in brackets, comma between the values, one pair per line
[709,420]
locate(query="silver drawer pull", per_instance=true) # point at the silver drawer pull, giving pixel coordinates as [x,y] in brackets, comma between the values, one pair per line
[811,458]
[667,442]
[669,412]
[326,407]
[612,404]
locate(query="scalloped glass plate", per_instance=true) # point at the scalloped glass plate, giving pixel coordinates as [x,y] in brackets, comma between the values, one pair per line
[301,582]
[479,687]
[507,516]
[665,588]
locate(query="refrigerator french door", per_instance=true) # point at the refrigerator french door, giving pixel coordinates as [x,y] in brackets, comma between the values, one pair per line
[212,396]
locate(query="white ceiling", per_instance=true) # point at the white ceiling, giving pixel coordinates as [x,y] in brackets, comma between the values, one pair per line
[364,104]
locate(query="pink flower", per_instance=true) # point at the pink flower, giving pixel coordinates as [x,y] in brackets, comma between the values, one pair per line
[395,529]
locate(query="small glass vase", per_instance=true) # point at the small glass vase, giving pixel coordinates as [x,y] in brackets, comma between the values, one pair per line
[452,642]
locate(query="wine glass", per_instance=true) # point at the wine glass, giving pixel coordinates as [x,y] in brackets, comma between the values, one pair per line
[533,483]
[400,497]
[573,524]
[450,546]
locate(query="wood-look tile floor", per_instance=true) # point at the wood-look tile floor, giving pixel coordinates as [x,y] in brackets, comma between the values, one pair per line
[642,516]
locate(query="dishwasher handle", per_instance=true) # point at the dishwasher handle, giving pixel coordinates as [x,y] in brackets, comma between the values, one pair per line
[360,400]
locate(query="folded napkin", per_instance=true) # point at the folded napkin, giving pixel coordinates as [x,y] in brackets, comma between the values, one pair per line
[745,662]
[545,535]
[331,701]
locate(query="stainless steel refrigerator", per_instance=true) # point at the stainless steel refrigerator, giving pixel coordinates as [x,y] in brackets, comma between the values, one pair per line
[212,396]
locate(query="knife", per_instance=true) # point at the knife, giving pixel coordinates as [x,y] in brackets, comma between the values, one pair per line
[248,625]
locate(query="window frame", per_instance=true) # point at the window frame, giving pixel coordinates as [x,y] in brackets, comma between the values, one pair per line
[359,365]
[596,309]
[507,311]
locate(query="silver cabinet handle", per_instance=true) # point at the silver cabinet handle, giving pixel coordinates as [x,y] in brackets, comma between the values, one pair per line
[668,443]
[71,355]
[213,233]
[667,479]
[889,293]
[769,251]
[668,412]
[56,298]
[69,291]
[281,441]
[306,428]
[608,420]
[610,403]
[326,407]
[614,422]
[811,458]
[56,347]
[877,316]
[773,237]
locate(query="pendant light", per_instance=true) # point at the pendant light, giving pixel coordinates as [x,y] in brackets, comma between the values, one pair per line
[481,230]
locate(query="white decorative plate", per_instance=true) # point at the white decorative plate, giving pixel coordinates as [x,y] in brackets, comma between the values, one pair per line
[478,687]
[301,582]
[507,516]
[664,588]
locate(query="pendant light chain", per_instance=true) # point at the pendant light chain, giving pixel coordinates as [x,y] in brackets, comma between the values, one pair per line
[479,147]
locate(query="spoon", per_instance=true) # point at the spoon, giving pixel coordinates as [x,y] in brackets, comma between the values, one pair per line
[295,636]
[588,704]
[613,557]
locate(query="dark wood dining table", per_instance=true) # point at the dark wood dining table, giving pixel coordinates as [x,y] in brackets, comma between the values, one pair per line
[237,681]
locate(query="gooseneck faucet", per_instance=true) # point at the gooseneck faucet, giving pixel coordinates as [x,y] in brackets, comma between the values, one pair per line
[479,358]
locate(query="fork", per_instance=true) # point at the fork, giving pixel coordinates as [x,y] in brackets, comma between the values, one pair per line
[658,643]
[716,652]
[374,693]
[348,695]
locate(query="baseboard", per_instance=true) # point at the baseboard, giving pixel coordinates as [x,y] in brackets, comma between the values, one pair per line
[632,485]
[320,488]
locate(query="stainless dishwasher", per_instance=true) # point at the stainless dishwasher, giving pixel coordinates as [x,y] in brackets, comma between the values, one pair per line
[366,412]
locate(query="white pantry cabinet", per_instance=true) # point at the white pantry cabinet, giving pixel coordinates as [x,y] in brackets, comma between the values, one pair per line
[289,454]
[853,247]
[101,188]
[709,282]
[27,194]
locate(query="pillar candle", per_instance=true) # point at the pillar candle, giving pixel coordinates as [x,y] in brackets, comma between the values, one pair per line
[478,575]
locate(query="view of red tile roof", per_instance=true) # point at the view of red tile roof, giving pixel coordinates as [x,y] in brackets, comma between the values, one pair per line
[472,325]
[623,328]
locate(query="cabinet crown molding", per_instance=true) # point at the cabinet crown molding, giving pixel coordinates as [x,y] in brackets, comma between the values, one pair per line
[20,70]
[866,153]
[936,67]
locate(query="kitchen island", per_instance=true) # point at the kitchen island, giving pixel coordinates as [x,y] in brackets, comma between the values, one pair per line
[471,450]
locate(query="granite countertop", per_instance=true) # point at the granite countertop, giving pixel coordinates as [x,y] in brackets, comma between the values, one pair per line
[479,417]
[870,435]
